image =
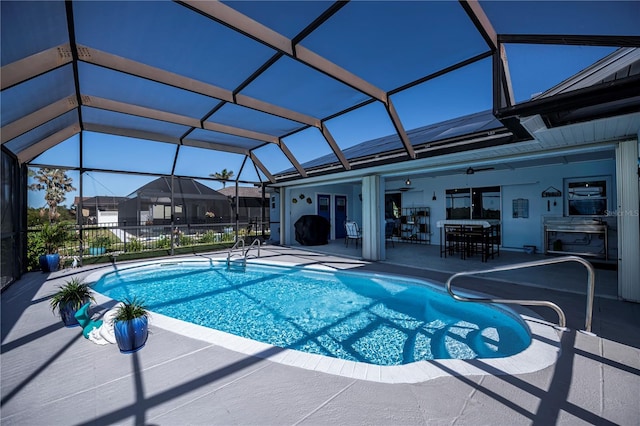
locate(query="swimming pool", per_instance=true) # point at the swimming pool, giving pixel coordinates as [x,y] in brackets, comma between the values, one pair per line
[375,319]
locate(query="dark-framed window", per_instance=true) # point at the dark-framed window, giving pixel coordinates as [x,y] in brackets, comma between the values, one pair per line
[587,196]
[473,203]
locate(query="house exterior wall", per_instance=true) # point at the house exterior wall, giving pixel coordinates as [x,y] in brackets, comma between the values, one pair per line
[301,207]
[526,183]
[107,217]
[128,212]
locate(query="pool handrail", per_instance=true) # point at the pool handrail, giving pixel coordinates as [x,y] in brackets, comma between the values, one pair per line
[255,242]
[240,241]
[243,252]
[562,321]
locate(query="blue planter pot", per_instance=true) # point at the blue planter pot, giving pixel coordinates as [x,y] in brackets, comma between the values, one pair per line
[131,335]
[95,251]
[49,262]
[68,315]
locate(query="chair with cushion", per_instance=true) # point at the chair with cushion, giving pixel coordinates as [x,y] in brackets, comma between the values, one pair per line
[353,232]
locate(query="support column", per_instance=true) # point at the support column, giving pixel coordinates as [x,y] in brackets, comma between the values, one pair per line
[372,202]
[286,223]
[174,233]
[628,214]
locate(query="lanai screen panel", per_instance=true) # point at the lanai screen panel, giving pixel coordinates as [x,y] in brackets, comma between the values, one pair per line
[392,43]
[288,18]
[108,152]
[604,18]
[291,84]
[251,119]
[171,37]
[65,154]
[448,96]
[196,162]
[128,89]
[528,26]
[307,145]
[26,98]
[232,141]
[32,27]
[37,134]
[131,125]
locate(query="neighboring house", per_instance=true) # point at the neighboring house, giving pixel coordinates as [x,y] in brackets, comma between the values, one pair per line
[193,203]
[251,206]
[98,210]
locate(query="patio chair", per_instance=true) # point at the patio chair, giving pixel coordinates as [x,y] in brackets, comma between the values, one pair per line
[353,232]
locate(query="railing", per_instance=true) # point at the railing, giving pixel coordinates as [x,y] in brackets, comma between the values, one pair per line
[231,253]
[244,253]
[562,321]
[255,242]
[100,243]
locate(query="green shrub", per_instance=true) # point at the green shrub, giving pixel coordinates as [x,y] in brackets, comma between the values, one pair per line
[186,240]
[74,292]
[54,236]
[163,242]
[228,236]
[100,241]
[134,245]
[208,237]
[35,248]
[131,309]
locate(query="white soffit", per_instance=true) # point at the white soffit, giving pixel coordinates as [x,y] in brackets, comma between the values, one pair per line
[601,130]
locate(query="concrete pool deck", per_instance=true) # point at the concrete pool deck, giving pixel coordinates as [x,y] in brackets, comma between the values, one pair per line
[51,375]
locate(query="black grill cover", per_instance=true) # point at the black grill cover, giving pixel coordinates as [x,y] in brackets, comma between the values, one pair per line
[312,230]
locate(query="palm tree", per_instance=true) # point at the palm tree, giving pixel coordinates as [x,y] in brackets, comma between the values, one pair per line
[224,176]
[55,183]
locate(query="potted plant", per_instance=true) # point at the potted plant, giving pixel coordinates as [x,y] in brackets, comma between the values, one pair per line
[131,325]
[53,236]
[99,245]
[69,298]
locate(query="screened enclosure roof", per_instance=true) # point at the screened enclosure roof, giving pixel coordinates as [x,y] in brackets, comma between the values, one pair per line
[285,90]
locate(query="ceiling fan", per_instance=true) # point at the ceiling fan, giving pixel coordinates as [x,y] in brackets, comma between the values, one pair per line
[471,170]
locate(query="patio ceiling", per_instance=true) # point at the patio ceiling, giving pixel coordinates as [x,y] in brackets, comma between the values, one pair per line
[244,78]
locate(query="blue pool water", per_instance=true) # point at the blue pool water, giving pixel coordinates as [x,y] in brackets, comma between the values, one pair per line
[377,319]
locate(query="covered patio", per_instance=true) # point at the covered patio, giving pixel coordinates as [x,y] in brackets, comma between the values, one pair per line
[568,277]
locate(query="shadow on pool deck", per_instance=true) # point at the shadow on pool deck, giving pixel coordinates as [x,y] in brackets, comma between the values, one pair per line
[51,375]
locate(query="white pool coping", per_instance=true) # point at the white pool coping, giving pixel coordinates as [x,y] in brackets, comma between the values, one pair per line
[543,351]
